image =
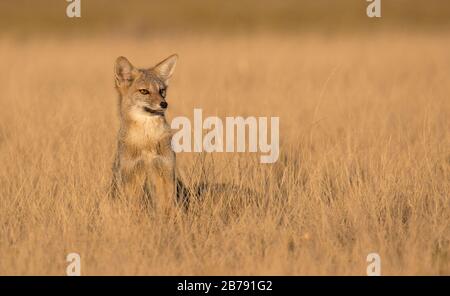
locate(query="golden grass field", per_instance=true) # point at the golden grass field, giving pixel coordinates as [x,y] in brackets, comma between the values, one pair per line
[364,164]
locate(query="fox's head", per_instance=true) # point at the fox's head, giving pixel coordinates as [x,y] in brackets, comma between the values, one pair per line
[143,91]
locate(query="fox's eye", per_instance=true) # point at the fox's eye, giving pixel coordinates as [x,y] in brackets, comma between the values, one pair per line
[144,91]
[162,92]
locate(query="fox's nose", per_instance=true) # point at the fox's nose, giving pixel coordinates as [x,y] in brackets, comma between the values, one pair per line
[163,105]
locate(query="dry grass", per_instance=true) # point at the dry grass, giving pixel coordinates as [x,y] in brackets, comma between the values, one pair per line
[364,162]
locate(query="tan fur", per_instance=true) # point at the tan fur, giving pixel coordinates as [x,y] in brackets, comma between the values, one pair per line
[144,167]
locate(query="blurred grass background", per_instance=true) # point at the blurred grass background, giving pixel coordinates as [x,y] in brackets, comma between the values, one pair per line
[141,17]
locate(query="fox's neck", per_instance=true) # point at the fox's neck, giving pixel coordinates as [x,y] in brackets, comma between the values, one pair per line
[145,132]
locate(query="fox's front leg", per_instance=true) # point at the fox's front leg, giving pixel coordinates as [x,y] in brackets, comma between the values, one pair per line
[162,183]
[129,181]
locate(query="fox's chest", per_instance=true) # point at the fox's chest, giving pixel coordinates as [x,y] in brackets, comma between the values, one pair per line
[146,146]
[149,134]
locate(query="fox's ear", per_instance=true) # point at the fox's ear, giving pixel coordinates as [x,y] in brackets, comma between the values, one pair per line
[166,68]
[124,71]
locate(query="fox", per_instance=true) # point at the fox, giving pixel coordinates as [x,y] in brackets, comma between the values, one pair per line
[144,166]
